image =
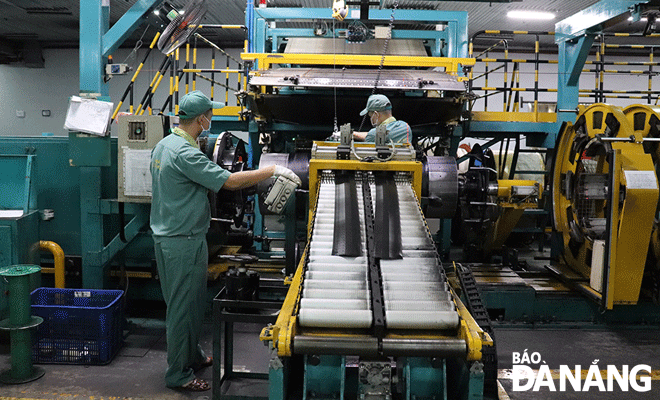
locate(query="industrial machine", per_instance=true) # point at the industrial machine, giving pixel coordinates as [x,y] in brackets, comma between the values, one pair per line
[605,199]
[369,311]
[376,307]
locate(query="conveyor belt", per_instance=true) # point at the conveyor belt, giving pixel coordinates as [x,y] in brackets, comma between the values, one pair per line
[336,289]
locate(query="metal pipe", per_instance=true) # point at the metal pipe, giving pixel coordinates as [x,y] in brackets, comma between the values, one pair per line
[129,89]
[176,84]
[425,347]
[368,346]
[360,346]
[187,63]
[58,255]
[213,74]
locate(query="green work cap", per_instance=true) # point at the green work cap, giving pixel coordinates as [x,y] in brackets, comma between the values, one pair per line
[196,103]
[377,102]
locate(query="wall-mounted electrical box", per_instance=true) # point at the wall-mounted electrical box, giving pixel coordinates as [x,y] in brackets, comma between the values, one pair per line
[138,134]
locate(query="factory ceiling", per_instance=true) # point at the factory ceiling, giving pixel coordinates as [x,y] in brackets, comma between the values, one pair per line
[30,25]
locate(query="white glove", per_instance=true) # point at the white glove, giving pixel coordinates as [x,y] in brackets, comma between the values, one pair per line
[287,173]
[339,10]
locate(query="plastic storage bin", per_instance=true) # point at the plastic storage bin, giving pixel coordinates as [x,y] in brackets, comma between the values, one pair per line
[81,326]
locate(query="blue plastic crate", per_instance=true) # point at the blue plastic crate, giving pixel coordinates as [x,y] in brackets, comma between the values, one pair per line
[81,326]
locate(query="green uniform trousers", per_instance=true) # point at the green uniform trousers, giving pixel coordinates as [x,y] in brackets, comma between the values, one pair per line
[182,264]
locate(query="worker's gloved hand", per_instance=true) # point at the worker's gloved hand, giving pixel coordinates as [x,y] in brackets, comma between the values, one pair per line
[287,173]
[339,10]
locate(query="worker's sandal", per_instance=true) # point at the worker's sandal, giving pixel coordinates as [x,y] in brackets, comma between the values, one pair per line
[196,385]
[208,361]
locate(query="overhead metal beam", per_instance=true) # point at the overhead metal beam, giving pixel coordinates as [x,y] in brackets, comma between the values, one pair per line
[127,24]
[595,18]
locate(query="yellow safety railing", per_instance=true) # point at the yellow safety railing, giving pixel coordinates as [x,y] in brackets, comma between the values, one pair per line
[190,72]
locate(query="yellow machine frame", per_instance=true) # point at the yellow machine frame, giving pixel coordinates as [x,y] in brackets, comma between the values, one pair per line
[632,211]
[266,60]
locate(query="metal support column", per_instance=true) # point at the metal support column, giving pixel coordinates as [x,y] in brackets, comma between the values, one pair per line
[96,43]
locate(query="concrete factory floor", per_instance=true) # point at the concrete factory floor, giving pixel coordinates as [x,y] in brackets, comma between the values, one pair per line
[137,370]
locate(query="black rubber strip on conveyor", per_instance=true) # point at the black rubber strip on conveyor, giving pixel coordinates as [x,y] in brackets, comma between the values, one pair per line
[387,218]
[346,239]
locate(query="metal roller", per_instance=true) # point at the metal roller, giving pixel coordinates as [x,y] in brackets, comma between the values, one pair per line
[409,305]
[334,284]
[337,276]
[319,345]
[335,304]
[335,267]
[409,261]
[434,296]
[411,269]
[421,319]
[424,347]
[368,346]
[334,294]
[412,277]
[338,259]
[414,285]
[440,185]
[333,318]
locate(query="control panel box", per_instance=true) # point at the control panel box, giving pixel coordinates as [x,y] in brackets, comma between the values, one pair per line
[138,135]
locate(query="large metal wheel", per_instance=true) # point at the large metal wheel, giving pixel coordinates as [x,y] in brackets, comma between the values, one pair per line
[605,191]
[227,204]
[581,180]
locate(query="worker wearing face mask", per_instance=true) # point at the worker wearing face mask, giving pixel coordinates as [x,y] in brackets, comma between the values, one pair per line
[379,110]
[180,216]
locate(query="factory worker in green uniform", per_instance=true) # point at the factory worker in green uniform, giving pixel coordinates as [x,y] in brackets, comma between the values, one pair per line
[379,109]
[180,216]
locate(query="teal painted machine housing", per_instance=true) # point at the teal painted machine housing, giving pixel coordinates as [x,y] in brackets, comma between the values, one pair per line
[57,188]
[19,234]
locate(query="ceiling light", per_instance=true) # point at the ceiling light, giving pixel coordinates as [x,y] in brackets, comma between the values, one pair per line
[530,15]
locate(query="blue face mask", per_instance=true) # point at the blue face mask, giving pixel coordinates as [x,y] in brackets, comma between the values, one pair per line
[205,132]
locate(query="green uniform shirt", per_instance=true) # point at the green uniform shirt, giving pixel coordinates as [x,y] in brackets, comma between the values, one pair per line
[397,131]
[180,177]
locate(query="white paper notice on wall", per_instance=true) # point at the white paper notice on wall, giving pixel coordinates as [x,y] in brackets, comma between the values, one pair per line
[137,175]
[641,179]
[89,116]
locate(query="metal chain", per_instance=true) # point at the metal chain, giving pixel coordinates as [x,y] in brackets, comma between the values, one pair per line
[382,59]
[335,131]
[138,44]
